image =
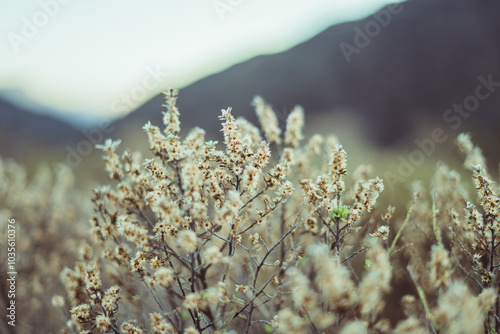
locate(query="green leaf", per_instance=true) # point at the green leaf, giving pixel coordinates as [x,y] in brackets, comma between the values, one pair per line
[268,328]
[368,264]
[340,212]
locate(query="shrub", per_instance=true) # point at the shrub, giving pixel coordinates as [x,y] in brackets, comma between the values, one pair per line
[262,233]
[49,214]
[203,238]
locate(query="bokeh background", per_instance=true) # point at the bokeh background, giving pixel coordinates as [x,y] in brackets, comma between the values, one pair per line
[396,82]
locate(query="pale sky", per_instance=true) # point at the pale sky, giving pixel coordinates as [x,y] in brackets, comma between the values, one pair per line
[108,57]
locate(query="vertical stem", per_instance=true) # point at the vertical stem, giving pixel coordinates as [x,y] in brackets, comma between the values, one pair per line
[282,259]
[250,313]
[193,290]
[407,219]
[282,231]
[497,307]
[337,235]
[492,251]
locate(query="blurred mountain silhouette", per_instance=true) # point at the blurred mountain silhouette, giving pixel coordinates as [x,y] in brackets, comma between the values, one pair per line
[27,136]
[401,79]
[429,56]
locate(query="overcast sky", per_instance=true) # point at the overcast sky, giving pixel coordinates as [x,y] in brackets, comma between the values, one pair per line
[108,57]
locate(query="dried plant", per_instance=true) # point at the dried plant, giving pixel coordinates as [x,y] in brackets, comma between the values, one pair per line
[199,238]
[49,214]
[265,232]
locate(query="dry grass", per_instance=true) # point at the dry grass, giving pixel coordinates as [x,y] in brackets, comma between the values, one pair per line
[262,235]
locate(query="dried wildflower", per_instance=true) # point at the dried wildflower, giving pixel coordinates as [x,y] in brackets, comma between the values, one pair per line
[212,296]
[487,195]
[174,151]
[212,255]
[294,125]
[194,301]
[303,295]
[191,330]
[458,311]
[389,213]
[134,233]
[72,281]
[473,155]
[267,119]
[248,130]
[486,276]
[261,156]
[192,181]
[251,178]
[157,141]
[93,279]
[410,305]
[129,327]
[229,209]
[338,164]
[81,313]
[277,174]
[242,288]
[102,323]
[354,327]
[486,299]
[159,324]
[254,238]
[362,172]
[187,240]
[311,224]
[232,137]
[171,116]
[289,322]
[138,263]
[109,145]
[164,277]
[473,218]
[222,293]
[57,301]
[195,140]
[367,192]
[310,190]
[314,145]
[111,297]
[382,232]
[286,189]
[376,282]
[440,266]
[410,326]
[275,321]
[333,280]
[113,165]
